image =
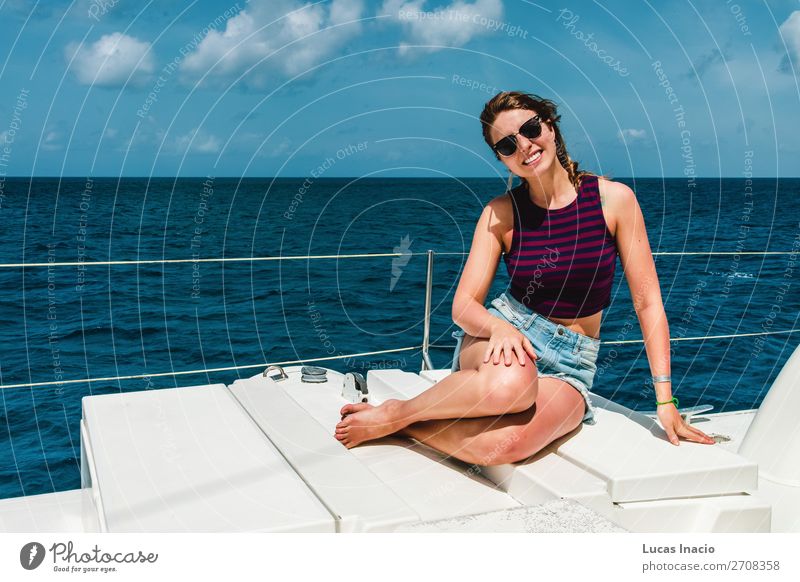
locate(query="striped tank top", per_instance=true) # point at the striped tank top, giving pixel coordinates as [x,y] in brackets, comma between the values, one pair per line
[561,261]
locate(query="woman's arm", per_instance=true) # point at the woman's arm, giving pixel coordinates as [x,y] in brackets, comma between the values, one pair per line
[469,312]
[479,271]
[640,272]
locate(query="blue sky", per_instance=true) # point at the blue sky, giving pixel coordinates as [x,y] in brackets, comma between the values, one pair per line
[394,87]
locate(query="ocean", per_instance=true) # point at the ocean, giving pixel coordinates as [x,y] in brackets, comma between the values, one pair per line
[96,321]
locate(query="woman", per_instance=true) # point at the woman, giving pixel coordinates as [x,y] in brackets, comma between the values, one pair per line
[523,368]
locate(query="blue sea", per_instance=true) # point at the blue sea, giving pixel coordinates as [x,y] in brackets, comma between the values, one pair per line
[96,321]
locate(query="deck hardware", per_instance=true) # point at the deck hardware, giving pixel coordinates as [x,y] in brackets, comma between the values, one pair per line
[281,375]
[313,374]
[354,388]
[688,413]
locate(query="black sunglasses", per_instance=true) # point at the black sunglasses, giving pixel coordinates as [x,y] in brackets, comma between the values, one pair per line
[530,129]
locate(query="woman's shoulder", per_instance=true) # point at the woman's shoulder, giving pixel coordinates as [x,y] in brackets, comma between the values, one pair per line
[501,210]
[497,218]
[618,202]
[615,196]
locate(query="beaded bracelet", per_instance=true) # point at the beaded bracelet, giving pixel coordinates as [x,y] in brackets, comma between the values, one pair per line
[673,400]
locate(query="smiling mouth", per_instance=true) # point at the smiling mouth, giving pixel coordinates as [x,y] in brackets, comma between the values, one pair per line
[533,159]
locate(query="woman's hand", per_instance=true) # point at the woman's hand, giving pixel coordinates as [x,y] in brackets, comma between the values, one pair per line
[676,427]
[507,340]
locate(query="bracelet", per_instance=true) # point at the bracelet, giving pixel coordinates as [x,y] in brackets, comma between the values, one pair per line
[671,401]
[661,378]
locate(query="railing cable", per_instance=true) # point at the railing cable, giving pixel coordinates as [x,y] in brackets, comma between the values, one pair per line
[327,358]
[205,370]
[306,257]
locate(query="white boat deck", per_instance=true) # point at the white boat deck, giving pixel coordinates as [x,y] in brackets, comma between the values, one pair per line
[560,516]
[46,513]
[260,456]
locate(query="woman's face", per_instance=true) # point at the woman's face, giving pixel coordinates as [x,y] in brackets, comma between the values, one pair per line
[508,123]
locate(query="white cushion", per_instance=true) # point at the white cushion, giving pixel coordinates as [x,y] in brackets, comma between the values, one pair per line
[190,459]
[631,453]
[374,486]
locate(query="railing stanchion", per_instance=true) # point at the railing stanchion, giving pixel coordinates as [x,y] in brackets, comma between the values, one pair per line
[426,359]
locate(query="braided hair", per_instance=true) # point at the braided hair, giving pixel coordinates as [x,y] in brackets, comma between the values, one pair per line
[547,111]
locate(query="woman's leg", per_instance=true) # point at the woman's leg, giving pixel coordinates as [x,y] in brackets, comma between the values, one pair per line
[496,440]
[478,390]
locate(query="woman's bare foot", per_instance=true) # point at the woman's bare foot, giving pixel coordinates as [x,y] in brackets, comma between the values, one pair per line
[363,422]
[351,408]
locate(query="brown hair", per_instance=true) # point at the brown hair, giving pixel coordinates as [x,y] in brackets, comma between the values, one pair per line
[547,111]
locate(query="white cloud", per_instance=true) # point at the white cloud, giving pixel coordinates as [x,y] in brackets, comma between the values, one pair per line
[268,33]
[51,141]
[632,134]
[112,61]
[790,31]
[197,141]
[150,136]
[453,25]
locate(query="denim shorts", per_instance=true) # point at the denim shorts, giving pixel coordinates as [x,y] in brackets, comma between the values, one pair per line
[563,353]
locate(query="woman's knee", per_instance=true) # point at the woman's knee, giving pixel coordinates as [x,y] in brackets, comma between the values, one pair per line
[511,389]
